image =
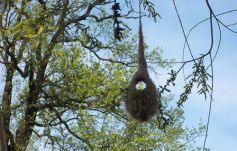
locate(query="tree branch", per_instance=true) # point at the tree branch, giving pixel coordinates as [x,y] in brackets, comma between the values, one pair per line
[70,131]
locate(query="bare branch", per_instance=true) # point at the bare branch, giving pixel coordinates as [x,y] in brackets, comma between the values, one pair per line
[70,131]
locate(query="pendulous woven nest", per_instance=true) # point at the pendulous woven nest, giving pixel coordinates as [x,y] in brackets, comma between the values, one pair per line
[142,105]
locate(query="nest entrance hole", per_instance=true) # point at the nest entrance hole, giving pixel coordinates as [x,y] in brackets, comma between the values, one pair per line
[141,85]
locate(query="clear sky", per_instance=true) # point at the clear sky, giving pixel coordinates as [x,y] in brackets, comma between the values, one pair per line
[167,34]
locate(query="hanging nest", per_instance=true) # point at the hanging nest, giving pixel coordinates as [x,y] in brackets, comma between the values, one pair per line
[142,105]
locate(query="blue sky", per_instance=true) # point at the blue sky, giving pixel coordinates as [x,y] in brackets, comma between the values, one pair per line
[167,34]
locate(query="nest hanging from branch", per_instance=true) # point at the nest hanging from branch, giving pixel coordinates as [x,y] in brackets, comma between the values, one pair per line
[142,105]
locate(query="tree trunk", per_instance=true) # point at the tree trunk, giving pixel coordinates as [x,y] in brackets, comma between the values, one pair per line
[6,104]
[3,141]
[26,127]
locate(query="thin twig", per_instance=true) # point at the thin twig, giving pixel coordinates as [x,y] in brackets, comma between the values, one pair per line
[211,94]
[181,24]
